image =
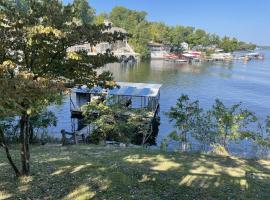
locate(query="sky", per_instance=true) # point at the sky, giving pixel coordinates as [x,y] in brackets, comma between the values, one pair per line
[247,20]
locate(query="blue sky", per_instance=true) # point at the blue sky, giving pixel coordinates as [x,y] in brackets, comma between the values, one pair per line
[247,20]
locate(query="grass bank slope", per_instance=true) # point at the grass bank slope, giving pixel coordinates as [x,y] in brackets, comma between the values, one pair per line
[95,172]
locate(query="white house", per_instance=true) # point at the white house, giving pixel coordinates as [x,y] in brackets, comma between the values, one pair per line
[120,47]
[158,50]
[185,46]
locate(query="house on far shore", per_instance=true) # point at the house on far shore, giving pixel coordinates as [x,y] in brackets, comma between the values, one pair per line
[158,50]
[218,50]
[185,46]
[119,48]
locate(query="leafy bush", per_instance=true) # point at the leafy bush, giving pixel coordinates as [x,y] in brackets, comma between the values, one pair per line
[116,123]
[231,123]
[184,115]
[217,126]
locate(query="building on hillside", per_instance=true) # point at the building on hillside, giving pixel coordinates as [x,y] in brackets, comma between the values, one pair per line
[119,48]
[81,47]
[158,50]
[185,46]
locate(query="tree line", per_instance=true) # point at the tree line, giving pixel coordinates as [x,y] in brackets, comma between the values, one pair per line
[143,31]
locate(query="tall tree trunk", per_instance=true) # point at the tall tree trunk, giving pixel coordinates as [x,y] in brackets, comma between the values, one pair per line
[5,146]
[24,140]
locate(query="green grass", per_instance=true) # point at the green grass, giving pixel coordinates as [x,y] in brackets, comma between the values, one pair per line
[96,172]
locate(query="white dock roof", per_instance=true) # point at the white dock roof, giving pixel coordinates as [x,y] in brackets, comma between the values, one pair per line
[136,89]
[125,89]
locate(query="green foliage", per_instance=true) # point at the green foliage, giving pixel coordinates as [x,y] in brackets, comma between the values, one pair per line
[127,19]
[9,127]
[184,115]
[39,124]
[160,32]
[263,138]
[43,119]
[83,12]
[142,32]
[231,123]
[228,45]
[116,123]
[198,37]
[135,24]
[179,34]
[203,129]
[164,144]
[99,19]
[218,125]
[35,61]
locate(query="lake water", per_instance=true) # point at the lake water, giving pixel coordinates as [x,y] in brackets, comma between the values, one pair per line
[231,82]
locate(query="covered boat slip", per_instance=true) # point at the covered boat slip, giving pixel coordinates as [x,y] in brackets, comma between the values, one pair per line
[129,95]
[132,95]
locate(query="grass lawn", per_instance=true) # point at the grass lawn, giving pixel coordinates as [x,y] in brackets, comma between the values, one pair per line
[96,172]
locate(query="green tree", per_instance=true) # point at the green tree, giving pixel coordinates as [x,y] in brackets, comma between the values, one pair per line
[219,125]
[184,115]
[39,121]
[231,123]
[23,94]
[263,136]
[180,34]
[136,25]
[228,45]
[214,39]
[204,129]
[140,39]
[83,12]
[159,32]
[126,18]
[99,19]
[34,38]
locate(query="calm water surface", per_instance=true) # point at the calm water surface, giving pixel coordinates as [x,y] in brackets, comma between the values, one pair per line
[231,82]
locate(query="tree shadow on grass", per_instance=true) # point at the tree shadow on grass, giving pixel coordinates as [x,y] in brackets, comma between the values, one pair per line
[94,172]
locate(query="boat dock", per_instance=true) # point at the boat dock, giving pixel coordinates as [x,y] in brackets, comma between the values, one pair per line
[131,95]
